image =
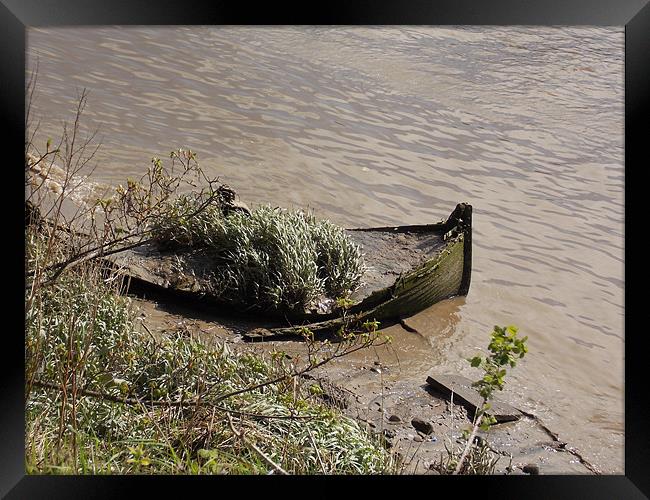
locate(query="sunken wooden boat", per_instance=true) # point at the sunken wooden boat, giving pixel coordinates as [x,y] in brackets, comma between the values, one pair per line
[409,268]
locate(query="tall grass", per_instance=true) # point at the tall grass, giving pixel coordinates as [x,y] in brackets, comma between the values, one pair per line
[271,258]
[103,394]
[108,397]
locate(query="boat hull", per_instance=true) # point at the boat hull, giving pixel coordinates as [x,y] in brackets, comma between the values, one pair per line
[438,279]
[410,269]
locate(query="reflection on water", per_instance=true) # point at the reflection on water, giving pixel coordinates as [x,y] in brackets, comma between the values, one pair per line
[376,126]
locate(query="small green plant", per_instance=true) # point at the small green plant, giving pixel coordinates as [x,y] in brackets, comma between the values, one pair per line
[505,350]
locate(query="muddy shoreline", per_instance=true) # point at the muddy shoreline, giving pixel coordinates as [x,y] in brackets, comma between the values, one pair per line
[386,388]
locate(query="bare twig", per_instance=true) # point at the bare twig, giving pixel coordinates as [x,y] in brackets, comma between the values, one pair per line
[313,443]
[469,444]
[295,373]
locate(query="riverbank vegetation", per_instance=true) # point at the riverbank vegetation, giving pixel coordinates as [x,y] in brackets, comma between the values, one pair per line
[104,394]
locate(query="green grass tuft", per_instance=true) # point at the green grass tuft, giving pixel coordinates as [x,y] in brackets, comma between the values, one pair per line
[273,258]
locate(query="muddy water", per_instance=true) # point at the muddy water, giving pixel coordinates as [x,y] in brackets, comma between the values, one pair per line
[376,126]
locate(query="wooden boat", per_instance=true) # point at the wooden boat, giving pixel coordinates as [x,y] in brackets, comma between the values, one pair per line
[409,269]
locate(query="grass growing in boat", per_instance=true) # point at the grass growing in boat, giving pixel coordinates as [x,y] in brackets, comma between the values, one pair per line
[272,258]
[174,228]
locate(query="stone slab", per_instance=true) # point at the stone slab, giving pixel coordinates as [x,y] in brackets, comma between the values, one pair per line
[466,395]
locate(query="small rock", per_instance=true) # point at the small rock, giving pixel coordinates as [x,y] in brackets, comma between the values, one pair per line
[479,441]
[376,370]
[389,433]
[532,469]
[377,363]
[394,418]
[428,438]
[418,439]
[422,425]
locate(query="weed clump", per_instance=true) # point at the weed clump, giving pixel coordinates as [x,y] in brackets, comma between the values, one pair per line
[182,226]
[270,258]
[104,396]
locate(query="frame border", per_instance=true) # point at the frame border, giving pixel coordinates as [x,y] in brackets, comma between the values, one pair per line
[17,15]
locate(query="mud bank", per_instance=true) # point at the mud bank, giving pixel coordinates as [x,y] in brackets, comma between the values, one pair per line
[386,388]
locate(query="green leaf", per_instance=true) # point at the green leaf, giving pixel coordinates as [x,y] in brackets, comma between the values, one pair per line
[105,378]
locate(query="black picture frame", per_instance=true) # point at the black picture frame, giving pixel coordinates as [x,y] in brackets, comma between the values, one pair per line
[16,15]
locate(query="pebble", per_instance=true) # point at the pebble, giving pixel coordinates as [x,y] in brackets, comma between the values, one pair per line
[389,433]
[532,469]
[394,418]
[418,439]
[422,425]
[479,441]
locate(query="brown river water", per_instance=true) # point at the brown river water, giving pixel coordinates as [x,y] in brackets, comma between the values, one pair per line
[395,125]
